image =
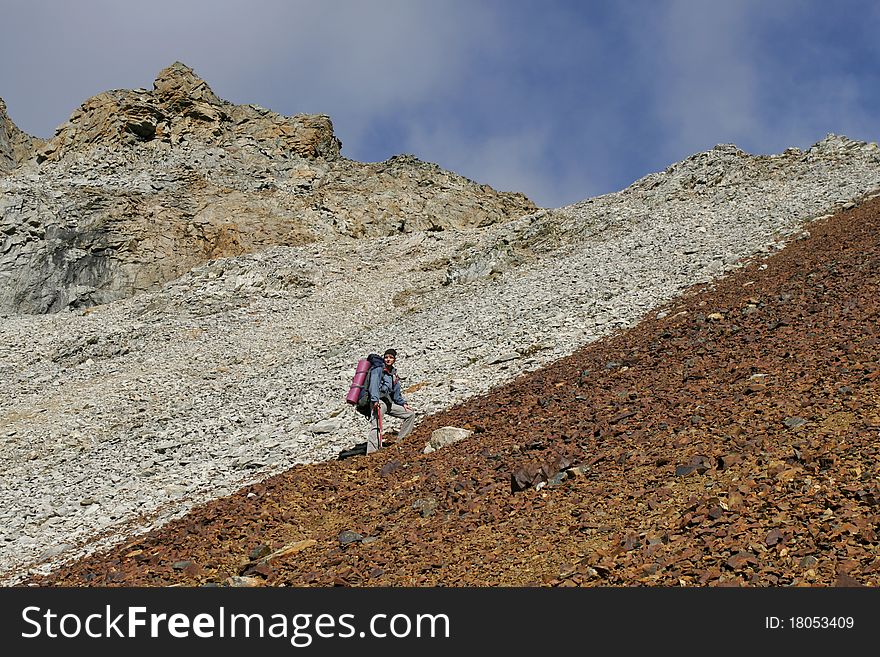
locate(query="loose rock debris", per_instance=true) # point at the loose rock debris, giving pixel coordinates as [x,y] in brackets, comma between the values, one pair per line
[740,451]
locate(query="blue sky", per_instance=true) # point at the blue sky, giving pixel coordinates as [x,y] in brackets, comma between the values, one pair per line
[559,100]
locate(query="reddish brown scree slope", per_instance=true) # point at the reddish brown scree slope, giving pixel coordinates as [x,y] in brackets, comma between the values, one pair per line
[732,442]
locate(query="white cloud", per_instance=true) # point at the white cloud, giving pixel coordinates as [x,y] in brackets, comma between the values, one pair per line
[508,162]
[706,80]
[741,72]
[368,56]
[559,100]
[363,62]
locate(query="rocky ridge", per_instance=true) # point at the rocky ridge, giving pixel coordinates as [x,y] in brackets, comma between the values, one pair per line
[120,417]
[139,186]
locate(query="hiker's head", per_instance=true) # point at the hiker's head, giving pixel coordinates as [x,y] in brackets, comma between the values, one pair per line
[390,356]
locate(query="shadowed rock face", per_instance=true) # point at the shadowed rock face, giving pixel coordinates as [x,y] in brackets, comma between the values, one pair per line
[139,186]
[15,145]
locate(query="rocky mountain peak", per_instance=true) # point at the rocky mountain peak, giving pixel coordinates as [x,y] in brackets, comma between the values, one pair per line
[182,111]
[178,84]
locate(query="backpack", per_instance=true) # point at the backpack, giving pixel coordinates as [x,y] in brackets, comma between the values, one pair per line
[363,405]
[359,391]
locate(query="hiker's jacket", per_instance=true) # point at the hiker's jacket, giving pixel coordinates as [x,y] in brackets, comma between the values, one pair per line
[385,385]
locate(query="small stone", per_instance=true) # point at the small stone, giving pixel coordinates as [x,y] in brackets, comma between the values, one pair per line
[390,467]
[503,358]
[325,426]
[163,447]
[701,463]
[259,552]
[773,537]
[846,580]
[741,559]
[809,562]
[349,536]
[238,581]
[56,550]
[292,548]
[446,436]
[698,463]
[425,506]
[729,460]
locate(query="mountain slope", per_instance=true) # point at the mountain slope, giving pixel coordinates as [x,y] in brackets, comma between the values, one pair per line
[729,439]
[117,418]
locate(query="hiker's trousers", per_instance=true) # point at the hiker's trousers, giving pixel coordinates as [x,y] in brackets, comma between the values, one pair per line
[394,410]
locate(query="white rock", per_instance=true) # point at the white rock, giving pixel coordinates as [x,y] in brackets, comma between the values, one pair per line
[445,436]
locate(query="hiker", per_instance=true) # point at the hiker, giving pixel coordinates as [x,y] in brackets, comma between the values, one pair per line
[385,398]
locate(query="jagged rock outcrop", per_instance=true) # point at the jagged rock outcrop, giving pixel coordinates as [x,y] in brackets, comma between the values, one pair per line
[181,109]
[15,146]
[140,186]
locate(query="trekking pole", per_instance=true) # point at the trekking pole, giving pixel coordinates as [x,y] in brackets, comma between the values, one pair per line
[379,437]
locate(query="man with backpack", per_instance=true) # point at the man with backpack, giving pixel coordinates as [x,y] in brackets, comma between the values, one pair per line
[386,398]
